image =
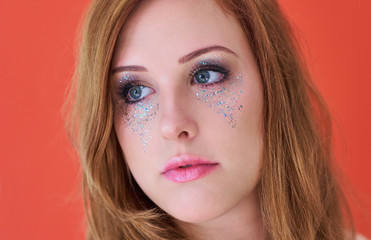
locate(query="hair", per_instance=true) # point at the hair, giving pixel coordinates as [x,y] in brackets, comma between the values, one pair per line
[299,195]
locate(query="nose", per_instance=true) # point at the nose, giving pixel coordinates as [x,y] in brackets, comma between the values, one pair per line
[177,121]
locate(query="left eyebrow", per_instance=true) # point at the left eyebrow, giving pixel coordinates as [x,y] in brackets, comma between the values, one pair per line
[202,51]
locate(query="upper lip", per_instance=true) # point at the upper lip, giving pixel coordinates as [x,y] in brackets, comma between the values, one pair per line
[185,160]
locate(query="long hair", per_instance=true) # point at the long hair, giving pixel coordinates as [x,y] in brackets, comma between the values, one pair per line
[298,191]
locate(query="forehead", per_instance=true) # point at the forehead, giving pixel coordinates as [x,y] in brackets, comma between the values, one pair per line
[172,28]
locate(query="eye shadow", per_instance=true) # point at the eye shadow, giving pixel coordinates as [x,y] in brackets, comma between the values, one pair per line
[126,78]
[223,99]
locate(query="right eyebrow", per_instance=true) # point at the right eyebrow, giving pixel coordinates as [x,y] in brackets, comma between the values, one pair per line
[131,68]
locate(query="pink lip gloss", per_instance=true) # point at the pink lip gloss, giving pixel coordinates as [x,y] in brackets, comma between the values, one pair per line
[187,168]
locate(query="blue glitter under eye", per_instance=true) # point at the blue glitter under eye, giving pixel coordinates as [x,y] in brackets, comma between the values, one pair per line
[137,115]
[223,99]
[139,119]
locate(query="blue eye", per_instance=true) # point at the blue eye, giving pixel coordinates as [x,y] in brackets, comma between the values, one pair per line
[137,93]
[207,76]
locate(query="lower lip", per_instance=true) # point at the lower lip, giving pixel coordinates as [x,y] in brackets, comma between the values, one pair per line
[180,175]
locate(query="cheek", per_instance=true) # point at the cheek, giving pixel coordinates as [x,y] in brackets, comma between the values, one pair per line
[223,99]
[135,121]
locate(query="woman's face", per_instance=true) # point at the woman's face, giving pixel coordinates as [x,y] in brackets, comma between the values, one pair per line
[188,108]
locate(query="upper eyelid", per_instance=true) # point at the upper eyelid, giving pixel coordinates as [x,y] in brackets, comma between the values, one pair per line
[131,80]
[212,60]
[208,66]
[126,78]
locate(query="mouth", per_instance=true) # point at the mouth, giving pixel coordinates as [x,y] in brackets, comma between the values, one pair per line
[187,168]
[189,165]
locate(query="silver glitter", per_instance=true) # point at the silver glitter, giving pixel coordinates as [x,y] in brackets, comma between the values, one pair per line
[204,62]
[126,78]
[223,99]
[139,118]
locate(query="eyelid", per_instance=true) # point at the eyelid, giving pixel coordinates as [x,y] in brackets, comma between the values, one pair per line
[127,82]
[132,80]
[127,78]
[210,65]
[142,88]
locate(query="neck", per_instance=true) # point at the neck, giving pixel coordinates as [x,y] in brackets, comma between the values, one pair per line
[243,221]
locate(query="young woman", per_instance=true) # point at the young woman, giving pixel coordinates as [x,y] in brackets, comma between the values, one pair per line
[197,120]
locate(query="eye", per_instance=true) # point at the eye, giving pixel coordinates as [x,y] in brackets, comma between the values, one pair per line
[137,93]
[207,76]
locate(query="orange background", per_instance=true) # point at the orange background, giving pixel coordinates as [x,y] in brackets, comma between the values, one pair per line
[39,183]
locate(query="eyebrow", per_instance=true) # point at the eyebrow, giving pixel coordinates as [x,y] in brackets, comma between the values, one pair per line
[131,68]
[182,60]
[202,51]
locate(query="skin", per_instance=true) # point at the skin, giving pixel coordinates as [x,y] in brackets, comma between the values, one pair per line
[222,204]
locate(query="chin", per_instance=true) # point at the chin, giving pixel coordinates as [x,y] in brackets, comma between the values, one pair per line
[195,215]
[196,210]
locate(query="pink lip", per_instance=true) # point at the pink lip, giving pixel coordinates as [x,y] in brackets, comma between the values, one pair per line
[187,168]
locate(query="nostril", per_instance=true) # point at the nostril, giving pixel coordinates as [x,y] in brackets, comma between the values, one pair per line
[176,126]
[184,134]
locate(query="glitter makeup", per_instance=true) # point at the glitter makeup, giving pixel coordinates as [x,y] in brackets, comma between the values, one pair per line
[137,115]
[139,119]
[216,89]
[222,98]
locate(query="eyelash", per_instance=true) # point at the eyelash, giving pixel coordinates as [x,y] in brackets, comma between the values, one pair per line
[123,90]
[216,67]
